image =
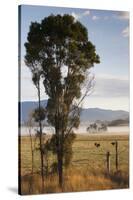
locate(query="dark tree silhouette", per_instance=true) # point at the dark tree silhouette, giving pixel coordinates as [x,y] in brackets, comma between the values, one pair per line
[59,47]
[36,71]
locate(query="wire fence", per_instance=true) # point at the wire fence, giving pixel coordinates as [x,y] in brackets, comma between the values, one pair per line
[107,154]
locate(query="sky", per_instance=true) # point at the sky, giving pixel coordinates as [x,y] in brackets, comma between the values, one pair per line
[109,32]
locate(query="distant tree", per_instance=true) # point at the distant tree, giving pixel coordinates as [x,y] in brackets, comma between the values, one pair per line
[92,128]
[97,127]
[104,126]
[59,47]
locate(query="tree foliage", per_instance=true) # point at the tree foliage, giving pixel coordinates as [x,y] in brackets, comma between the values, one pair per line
[59,51]
[39,114]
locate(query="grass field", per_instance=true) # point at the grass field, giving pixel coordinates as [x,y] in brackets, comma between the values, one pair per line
[88,169]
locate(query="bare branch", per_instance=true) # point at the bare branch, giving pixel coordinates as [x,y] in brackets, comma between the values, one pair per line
[76,109]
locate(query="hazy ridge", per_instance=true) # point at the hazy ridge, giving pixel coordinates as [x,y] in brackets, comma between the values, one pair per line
[87,115]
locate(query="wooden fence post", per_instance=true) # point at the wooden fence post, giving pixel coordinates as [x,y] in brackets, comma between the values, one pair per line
[108,161]
[116,156]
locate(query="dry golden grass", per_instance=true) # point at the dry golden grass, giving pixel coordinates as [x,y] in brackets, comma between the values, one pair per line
[82,175]
[74,181]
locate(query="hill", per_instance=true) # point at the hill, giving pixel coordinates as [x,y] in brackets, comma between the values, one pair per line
[26,107]
[94,114]
[87,115]
[119,122]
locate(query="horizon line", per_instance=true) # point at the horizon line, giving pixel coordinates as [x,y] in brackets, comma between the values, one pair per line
[35,101]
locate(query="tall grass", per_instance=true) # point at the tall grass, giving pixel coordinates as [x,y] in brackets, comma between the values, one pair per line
[74,181]
[81,175]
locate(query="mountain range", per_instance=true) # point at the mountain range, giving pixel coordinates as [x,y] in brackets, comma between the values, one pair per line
[87,115]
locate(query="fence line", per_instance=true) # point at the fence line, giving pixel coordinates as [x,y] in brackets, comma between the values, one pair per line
[95,140]
[107,155]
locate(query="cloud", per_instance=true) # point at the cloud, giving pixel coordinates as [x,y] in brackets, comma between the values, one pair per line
[110,92]
[111,87]
[76,16]
[28,89]
[94,17]
[121,103]
[87,12]
[123,15]
[22,63]
[109,76]
[80,15]
[125,32]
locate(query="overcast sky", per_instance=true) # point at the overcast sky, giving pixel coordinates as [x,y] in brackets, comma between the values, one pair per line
[109,32]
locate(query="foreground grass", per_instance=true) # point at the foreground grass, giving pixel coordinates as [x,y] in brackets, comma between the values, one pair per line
[88,168]
[74,181]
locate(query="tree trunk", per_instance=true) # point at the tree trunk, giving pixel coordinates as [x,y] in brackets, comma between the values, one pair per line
[116,158]
[60,169]
[40,138]
[42,163]
[59,157]
[59,144]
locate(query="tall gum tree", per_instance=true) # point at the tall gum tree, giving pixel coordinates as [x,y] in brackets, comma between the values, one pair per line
[60,47]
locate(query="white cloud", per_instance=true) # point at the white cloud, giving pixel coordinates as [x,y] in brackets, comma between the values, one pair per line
[125,32]
[94,17]
[80,15]
[109,76]
[22,63]
[113,103]
[110,92]
[109,87]
[76,16]
[28,90]
[87,12]
[123,15]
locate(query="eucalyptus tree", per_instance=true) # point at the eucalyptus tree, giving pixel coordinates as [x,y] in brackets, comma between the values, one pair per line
[60,48]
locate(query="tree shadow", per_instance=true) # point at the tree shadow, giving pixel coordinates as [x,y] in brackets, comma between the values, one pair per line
[13,189]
